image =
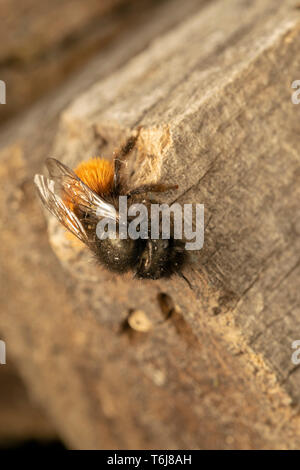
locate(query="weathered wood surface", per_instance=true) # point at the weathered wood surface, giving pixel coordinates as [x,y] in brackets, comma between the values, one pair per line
[213,97]
[42,43]
[219,120]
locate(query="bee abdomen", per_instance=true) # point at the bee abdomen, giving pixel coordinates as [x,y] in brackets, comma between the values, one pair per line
[118,255]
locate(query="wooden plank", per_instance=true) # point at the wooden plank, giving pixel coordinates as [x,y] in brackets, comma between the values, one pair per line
[211,99]
[219,119]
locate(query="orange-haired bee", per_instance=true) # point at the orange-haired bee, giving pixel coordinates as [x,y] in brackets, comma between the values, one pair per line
[80,198]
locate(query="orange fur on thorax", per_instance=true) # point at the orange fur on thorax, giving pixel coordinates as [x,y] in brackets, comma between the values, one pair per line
[97,173]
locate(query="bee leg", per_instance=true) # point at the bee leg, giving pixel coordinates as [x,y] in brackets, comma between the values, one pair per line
[180,273]
[154,187]
[119,156]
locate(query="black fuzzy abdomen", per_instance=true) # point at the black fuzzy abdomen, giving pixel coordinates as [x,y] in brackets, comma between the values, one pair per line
[118,255]
[161,258]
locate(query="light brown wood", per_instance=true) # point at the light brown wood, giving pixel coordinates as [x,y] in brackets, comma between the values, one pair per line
[43,43]
[213,97]
[214,100]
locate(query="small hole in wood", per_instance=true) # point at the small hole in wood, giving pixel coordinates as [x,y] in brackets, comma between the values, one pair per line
[166,305]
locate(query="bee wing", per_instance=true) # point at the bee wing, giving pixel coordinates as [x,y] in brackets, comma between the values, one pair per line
[77,192]
[57,207]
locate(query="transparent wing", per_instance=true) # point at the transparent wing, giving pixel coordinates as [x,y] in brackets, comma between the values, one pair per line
[57,207]
[77,192]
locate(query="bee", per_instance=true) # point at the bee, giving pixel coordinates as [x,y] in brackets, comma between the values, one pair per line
[79,198]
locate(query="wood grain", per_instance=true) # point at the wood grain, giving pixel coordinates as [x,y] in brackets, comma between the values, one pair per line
[213,97]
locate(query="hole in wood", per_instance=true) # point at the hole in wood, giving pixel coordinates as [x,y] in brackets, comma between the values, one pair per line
[166,305]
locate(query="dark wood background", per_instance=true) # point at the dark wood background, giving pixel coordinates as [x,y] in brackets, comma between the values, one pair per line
[210,84]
